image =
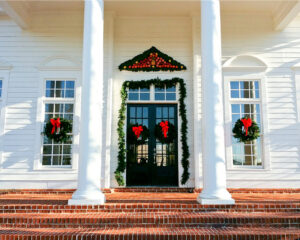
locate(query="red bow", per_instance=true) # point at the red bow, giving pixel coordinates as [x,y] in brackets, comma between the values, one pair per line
[137,131]
[247,123]
[165,128]
[56,124]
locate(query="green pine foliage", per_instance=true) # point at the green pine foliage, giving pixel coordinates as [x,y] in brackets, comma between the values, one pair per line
[121,124]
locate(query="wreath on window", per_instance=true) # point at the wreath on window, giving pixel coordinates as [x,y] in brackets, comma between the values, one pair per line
[137,134]
[165,132]
[58,129]
[245,130]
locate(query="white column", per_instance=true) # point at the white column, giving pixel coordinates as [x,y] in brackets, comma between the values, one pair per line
[214,172]
[88,191]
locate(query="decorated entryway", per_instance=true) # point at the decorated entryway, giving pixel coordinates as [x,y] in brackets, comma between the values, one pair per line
[152,145]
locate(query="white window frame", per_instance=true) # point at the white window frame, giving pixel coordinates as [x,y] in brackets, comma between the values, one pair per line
[4,76]
[263,113]
[152,97]
[42,100]
[296,70]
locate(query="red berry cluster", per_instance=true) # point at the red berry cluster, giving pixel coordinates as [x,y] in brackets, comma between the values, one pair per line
[153,61]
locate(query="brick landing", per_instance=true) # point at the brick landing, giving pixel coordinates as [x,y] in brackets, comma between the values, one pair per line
[155,214]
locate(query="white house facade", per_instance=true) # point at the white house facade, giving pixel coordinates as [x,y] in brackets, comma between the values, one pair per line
[71,59]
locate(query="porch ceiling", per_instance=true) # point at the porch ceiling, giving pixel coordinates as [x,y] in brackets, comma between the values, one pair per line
[282,11]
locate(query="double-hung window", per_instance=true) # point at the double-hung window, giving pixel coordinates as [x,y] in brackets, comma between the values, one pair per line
[59,102]
[245,101]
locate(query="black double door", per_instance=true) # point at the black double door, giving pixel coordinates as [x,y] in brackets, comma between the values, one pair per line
[152,163]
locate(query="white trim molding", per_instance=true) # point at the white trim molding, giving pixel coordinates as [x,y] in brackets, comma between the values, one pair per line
[296,69]
[265,144]
[245,63]
[4,76]
[59,63]
[57,75]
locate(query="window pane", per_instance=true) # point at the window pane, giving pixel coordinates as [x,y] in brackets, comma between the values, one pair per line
[234,94]
[171,96]
[50,84]
[69,93]
[159,89]
[66,160]
[144,96]
[60,89]
[171,89]
[49,93]
[144,89]
[159,96]
[234,85]
[133,96]
[158,112]
[49,107]
[60,84]
[70,84]
[69,108]
[235,108]
[46,160]
[139,112]
[59,93]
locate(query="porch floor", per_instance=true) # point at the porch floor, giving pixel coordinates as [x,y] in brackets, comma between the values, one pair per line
[128,214]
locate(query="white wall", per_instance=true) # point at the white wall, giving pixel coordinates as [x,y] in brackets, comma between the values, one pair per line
[51,35]
[60,34]
[254,35]
[134,35]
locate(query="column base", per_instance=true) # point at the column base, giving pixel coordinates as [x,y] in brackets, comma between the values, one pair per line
[204,201]
[95,197]
[217,197]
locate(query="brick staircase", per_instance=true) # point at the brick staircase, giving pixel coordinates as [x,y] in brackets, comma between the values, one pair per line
[150,213]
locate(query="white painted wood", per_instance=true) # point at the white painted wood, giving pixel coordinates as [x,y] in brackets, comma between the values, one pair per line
[213,142]
[288,12]
[89,173]
[197,101]
[17,11]
[60,34]
[4,76]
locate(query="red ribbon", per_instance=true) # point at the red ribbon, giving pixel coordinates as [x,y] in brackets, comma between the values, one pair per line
[55,123]
[247,123]
[165,128]
[137,131]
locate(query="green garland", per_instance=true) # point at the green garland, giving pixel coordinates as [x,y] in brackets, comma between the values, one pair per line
[239,132]
[60,135]
[152,60]
[121,123]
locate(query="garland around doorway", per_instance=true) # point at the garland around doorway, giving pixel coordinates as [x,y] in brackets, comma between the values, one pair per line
[121,124]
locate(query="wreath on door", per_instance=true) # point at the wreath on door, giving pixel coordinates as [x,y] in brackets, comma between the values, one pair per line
[137,134]
[165,132]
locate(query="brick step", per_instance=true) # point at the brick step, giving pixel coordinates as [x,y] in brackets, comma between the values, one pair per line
[60,206]
[171,219]
[156,233]
[152,190]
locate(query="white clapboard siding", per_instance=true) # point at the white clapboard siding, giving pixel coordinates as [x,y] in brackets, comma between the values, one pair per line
[60,34]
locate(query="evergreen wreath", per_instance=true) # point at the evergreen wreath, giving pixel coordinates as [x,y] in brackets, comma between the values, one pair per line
[170,136]
[139,139]
[245,130]
[58,129]
[121,123]
[152,60]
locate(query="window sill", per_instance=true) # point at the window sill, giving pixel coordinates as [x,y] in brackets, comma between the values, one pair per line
[55,168]
[252,169]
